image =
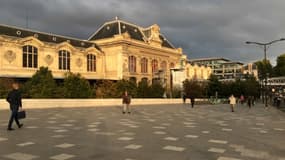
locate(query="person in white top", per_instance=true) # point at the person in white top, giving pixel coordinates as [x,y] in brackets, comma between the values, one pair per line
[232,100]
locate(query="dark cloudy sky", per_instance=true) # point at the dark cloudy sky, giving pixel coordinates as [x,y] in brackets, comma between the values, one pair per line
[203,28]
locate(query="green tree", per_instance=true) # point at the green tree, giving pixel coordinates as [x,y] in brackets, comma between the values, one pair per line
[5,86]
[193,88]
[76,87]
[264,68]
[279,69]
[106,89]
[214,85]
[125,85]
[156,90]
[251,86]
[226,89]
[143,89]
[41,85]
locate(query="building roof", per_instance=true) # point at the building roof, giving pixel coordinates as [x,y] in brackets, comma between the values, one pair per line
[253,65]
[233,62]
[45,37]
[165,42]
[116,27]
[108,30]
[208,59]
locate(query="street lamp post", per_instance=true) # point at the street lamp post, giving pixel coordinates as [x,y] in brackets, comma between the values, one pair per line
[265,47]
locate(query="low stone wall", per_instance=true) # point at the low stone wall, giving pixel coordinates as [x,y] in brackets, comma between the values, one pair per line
[54,103]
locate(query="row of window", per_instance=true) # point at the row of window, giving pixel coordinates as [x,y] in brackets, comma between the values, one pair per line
[30,59]
[144,65]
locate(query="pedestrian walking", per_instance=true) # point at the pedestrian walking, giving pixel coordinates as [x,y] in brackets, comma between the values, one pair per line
[249,101]
[184,98]
[252,101]
[278,102]
[232,100]
[126,102]
[192,100]
[15,100]
[241,99]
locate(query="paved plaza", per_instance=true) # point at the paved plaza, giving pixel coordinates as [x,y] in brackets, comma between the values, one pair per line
[155,132]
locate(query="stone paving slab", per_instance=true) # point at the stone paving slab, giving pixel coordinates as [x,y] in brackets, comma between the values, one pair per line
[160,132]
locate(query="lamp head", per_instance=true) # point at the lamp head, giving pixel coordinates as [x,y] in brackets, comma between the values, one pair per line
[282,39]
[247,42]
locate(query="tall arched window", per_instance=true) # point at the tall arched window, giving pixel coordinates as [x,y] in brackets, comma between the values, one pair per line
[30,57]
[91,63]
[154,66]
[144,63]
[163,65]
[187,72]
[132,64]
[195,73]
[64,60]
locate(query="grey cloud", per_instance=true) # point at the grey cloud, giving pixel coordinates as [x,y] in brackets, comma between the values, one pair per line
[204,28]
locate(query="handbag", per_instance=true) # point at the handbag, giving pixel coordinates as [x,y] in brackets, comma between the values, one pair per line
[21,114]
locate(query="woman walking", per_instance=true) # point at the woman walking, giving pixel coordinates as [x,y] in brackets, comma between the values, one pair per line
[232,100]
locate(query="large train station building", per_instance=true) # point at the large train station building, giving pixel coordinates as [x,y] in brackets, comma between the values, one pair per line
[117,50]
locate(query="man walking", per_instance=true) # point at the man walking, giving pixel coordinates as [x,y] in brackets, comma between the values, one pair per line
[15,100]
[232,100]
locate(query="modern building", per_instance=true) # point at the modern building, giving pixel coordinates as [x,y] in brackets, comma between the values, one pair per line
[223,68]
[250,69]
[117,50]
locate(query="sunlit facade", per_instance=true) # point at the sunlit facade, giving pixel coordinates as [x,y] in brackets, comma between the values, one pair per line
[117,50]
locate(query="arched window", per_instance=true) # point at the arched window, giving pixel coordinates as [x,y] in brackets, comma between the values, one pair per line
[30,57]
[91,63]
[64,60]
[187,72]
[171,65]
[154,66]
[163,65]
[144,79]
[195,73]
[133,79]
[132,64]
[144,63]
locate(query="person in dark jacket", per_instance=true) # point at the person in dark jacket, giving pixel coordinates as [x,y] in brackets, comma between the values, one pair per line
[15,100]
[126,102]
[192,100]
[184,98]
[249,101]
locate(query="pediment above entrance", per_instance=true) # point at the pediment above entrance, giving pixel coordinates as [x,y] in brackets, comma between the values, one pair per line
[31,41]
[65,46]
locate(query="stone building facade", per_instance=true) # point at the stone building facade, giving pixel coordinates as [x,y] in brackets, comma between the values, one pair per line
[117,50]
